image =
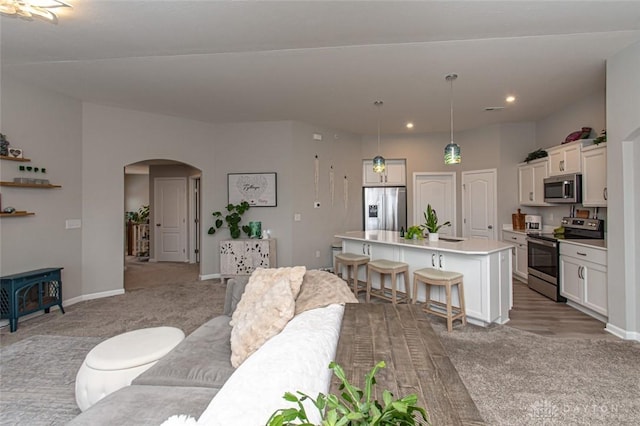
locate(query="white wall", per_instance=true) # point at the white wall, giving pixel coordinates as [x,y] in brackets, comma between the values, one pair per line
[623,137]
[315,232]
[136,192]
[48,127]
[111,139]
[501,147]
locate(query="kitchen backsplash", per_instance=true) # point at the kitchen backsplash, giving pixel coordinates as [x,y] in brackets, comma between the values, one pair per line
[552,215]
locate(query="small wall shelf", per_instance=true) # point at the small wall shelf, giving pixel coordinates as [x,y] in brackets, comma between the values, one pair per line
[17,214]
[29,185]
[6,157]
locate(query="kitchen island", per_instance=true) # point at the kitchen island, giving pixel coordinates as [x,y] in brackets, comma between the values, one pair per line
[485,264]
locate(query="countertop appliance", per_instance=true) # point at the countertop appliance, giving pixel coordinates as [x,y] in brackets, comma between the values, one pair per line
[533,222]
[384,208]
[563,189]
[543,253]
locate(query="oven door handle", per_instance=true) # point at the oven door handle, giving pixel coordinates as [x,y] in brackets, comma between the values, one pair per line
[542,242]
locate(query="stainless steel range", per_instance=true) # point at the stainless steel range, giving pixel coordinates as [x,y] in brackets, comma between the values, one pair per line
[543,253]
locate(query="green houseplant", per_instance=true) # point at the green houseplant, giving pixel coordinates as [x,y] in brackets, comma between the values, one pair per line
[414,232]
[431,223]
[354,406]
[233,219]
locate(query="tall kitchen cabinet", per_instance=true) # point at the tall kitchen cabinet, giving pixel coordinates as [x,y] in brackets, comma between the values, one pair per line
[531,177]
[583,278]
[594,176]
[395,173]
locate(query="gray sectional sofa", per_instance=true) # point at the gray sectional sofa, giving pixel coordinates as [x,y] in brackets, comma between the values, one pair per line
[184,381]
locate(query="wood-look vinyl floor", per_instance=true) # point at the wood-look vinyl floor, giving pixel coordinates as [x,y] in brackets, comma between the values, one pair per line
[537,314]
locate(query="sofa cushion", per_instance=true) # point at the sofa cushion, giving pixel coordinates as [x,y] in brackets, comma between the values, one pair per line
[145,405]
[321,288]
[267,305]
[235,288]
[202,359]
[295,359]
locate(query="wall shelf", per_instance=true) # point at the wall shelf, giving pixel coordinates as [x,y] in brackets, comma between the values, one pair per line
[29,185]
[17,214]
[6,157]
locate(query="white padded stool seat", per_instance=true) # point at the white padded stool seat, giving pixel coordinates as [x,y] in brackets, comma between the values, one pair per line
[393,268]
[447,279]
[114,363]
[352,261]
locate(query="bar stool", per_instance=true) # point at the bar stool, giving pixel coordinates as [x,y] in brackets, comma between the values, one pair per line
[352,261]
[388,267]
[437,277]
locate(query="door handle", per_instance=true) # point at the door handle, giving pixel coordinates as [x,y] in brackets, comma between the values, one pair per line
[157,224]
[490,227]
[531,196]
[604,193]
[440,261]
[433,260]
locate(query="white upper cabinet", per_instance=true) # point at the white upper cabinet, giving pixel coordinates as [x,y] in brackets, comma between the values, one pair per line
[565,159]
[531,182]
[594,176]
[395,174]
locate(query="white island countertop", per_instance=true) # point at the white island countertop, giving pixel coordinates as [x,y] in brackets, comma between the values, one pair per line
[460,245]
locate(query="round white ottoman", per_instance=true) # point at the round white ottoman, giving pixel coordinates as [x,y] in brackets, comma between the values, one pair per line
[114,363]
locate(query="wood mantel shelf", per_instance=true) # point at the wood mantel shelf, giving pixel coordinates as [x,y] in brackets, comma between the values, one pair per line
[17,214]
[6,157]
[29,185]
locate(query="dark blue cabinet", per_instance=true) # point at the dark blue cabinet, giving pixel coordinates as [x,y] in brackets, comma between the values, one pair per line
[27,292]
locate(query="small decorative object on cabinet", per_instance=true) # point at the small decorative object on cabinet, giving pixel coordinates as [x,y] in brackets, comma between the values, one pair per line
[27,292]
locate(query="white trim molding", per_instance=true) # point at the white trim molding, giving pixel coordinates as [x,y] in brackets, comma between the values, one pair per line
[621,333]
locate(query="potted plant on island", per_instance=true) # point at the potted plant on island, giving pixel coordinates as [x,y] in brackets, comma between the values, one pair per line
[414,233]
[431,223]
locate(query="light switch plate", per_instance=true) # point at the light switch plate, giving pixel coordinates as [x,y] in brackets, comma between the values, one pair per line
[73,223]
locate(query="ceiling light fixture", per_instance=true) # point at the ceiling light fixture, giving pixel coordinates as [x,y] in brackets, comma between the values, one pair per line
[409,125]
[28,9]
[510,99]
[452,150]
[378,162]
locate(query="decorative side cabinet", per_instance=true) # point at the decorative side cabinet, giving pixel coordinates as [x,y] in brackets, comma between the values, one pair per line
[242,257]
[27,292]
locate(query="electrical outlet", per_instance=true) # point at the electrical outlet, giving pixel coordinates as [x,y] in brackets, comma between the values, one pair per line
[317,253]
[297,217]
[316,204]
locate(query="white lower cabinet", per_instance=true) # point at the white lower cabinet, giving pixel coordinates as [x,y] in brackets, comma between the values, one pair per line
[487,277]
[520,260]
[583,277]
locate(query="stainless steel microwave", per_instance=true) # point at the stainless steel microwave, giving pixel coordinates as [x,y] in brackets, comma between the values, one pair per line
[563,189]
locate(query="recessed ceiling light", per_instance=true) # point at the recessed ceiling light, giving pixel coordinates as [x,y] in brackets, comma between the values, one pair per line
[409,125]
[510,99]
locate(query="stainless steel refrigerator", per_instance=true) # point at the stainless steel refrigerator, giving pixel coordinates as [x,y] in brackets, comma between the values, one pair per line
[384,208]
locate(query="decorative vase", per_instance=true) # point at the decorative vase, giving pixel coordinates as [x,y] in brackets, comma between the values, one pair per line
[255,229]
[433,236]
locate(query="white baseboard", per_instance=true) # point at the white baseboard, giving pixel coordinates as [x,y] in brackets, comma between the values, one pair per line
[208,276]
[622,333]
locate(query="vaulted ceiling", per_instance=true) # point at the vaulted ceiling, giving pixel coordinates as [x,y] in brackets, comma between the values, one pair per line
[325,62]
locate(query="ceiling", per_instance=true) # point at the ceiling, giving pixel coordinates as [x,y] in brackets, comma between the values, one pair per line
[325,62]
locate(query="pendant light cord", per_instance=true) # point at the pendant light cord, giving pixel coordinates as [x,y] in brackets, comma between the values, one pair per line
[378,105]
[451,77]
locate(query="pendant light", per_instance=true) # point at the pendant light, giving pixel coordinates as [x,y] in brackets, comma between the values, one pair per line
[378,162]
[452,150]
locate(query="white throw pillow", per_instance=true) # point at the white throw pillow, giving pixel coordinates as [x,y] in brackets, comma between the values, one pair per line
[297,359]
[267,305]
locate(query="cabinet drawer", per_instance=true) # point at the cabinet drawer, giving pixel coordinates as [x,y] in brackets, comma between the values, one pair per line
[586,253]
[514,237]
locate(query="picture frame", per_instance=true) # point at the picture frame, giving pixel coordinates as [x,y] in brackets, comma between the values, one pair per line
[258,189]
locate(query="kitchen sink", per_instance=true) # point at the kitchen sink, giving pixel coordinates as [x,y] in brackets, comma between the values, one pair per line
[451,240]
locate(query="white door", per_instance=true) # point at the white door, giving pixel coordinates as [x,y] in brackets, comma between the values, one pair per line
[479,209]
[439,190]
[170,219]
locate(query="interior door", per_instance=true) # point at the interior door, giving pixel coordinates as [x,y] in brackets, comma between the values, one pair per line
[439,190]
[479,209]
[170,219]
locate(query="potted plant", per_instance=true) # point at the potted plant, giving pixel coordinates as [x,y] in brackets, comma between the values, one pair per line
[431,223]
[353,407]
[414,232]
[233,219]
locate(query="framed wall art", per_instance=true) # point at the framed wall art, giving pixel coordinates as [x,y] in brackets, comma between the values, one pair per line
[258,189]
